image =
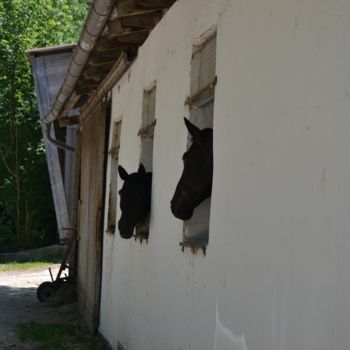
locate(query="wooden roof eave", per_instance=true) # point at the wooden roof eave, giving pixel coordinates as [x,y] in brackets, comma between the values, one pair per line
[126,30]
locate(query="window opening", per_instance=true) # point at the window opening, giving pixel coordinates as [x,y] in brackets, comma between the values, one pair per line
[201,113]
[146,134]
[113,187]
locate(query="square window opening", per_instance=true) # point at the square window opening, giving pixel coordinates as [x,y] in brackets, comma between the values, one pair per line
[146,134]
[201,106]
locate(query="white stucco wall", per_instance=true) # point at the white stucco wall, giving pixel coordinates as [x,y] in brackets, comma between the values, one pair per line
[277,271]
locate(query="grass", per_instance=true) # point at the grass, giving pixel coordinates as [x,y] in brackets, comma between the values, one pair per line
[30,263]
[59,337]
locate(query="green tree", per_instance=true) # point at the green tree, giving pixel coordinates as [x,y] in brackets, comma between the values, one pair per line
[25,194]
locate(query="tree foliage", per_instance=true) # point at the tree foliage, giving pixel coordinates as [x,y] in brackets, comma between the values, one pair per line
[27,215]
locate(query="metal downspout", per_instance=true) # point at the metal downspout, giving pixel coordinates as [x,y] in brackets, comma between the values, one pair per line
[93,27]
[50,139]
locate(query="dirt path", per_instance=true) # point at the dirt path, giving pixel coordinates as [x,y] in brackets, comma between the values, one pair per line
[18,303]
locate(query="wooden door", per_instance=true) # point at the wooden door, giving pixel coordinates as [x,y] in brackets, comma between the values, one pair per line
[90,235]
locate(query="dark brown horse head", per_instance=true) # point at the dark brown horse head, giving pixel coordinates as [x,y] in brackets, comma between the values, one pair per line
[135,199]
[196,179]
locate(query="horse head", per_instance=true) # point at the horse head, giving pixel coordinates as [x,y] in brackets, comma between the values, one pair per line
[135,199]
[196,179]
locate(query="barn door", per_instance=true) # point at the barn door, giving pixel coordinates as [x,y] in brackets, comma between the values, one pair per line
[93,146]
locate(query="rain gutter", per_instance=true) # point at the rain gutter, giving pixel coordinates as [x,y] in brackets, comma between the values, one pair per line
[94,25]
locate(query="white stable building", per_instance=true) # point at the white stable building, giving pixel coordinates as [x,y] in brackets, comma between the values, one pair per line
[264,264]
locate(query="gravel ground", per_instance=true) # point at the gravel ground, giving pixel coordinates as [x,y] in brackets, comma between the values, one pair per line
[18,304]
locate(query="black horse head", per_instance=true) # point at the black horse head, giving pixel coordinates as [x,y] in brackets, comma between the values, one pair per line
[196,180]
[135,199]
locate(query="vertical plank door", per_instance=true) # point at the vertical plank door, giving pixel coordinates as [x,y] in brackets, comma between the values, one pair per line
[93,143]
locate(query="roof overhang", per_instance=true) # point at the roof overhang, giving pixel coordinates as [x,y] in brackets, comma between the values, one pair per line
[106,47]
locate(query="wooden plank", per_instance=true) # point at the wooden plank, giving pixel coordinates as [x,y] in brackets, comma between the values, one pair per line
[86,90]
[90,215]
[86,81]
[107,44]
[127,6]
[110,80]
[103,63]
[74,195]
[69,165]
[110,55]
[68,121]
[85,85]
[142,20]
[76,180]
[97,73]
[154,4]
[115,26]
[138,20]
[136,37]
[45,68]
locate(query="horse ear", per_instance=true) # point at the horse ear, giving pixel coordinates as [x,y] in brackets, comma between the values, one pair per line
[192,129]
[142,170]
[122,173]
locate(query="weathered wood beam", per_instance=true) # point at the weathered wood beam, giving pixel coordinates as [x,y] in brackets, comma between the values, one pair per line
[127,6]
[41,76]
[107,84]
[145,20]
[152,4]
[107,44]
[115,26]
[109,55]
[68,121]
[86,89]
[93,75]
[102,63]
[140,20]
[85,86]
[97,72]
[83,81]
[137,37]
[128,28]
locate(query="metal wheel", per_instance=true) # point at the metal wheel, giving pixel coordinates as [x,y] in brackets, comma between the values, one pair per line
[45,291]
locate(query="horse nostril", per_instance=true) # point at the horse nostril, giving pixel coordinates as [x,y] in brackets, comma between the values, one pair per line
[126,236]
[126,229]
[126,233]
